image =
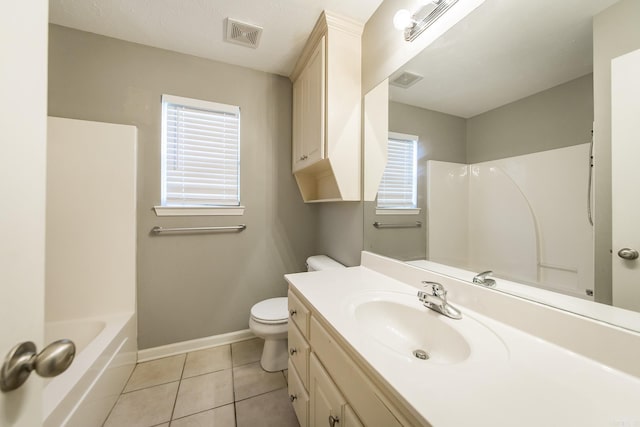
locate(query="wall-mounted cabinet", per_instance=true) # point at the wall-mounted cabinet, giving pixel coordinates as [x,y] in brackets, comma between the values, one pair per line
[327,112]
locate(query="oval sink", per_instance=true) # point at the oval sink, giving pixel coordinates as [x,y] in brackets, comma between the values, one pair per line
[402,324]
[406,329]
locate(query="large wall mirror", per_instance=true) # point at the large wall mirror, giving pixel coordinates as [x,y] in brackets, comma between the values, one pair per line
[492,158]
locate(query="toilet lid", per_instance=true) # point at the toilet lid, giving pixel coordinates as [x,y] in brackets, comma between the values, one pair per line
[271,310]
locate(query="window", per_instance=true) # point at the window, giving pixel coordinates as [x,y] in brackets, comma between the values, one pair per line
[200,153]
[398,188]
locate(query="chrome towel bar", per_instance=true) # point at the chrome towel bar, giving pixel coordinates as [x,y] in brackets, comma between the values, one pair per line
[416,224]
[158,230]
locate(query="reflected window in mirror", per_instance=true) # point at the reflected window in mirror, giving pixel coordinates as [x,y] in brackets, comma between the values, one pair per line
[398,188]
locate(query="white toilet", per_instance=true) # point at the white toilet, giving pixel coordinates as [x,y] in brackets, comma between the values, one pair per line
[269,319]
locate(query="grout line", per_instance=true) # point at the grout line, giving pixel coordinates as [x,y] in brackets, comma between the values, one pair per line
[260,394]
[202,411]
[233,388]
[149,386]
[175,401]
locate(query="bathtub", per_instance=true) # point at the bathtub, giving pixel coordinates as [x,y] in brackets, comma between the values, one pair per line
[105,356]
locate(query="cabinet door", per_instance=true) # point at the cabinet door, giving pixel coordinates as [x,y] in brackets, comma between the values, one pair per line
[313,112]
[350,418]
[297,137]
[326,403]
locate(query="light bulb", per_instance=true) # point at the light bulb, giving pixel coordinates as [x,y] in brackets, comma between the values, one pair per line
[402,19]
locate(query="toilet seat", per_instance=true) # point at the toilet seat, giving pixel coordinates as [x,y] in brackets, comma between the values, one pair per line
[271,311]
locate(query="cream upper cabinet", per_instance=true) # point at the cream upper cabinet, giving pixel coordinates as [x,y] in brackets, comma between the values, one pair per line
[308,111]
[326,154]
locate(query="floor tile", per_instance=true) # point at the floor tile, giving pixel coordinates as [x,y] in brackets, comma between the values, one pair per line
[225,416]
[247,351]
[209,360]
[155,372]
[143,408]
[267,410]
[251,380]
[204,392]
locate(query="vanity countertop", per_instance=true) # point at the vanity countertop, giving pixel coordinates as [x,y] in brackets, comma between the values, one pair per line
[532,383]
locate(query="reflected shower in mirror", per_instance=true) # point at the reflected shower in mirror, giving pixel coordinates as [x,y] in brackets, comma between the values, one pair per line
[503,116]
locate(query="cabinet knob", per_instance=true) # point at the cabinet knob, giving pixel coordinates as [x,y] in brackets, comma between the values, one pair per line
[292,312]
[292,351]
[292,397]
[333,420]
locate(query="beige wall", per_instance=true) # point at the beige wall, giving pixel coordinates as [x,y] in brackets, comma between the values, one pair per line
[558,117]
[339,231]
[192,286]
[615,32]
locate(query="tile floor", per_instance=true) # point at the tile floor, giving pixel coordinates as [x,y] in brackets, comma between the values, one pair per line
[219,387]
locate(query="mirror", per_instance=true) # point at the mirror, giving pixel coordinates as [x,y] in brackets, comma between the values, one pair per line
[502,107]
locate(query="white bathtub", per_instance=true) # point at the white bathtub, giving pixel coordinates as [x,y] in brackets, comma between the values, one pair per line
[105,356]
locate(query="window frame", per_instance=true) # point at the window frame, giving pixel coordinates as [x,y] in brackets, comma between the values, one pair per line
[402,210]
[169,209]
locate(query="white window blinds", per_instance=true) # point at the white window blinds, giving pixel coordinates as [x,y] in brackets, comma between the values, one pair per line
[200,153]
[398,186]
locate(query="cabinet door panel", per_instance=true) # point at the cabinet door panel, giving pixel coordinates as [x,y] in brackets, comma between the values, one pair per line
[350,418]
[297,136]
[325,400]
[313,116]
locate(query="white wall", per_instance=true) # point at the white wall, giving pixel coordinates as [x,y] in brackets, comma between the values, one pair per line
[91,219]
[526,218]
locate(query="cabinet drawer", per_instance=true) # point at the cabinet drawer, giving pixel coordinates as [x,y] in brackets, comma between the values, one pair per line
[298,396]
[299,314]
[364,397]
[299,354]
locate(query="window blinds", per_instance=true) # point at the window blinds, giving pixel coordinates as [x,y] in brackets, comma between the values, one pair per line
[200,153]
[398,186]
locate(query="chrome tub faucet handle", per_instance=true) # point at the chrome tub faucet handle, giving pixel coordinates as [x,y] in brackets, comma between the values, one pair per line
[482,279]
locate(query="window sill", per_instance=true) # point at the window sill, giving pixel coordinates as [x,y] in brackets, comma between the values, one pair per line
[407,211]
[198,210]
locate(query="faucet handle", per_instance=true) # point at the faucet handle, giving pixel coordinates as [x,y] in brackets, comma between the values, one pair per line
[481,279]
[436,288]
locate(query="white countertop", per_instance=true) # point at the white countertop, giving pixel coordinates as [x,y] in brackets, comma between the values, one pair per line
[533,383]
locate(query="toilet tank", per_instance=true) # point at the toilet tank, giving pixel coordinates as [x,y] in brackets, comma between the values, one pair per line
[322,262]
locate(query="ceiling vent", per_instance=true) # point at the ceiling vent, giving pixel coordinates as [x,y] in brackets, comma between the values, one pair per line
[242,33]
[405,79]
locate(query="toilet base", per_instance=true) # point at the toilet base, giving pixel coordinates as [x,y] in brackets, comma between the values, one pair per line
[275,352]
[274,355]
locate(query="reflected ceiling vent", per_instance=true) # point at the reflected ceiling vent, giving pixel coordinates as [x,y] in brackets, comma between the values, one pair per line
[242,33]
[405,80]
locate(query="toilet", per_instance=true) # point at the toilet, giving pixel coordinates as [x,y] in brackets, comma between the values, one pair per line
[269,320]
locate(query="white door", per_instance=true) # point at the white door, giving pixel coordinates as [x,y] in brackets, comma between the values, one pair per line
[23,123]
[625,163]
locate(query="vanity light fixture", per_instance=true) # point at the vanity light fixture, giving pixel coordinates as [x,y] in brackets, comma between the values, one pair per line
[430,12]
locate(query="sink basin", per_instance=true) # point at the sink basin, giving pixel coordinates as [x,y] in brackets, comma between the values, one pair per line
[401,324]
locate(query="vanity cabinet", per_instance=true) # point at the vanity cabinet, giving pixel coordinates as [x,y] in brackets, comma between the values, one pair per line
[327,112]
[327,387]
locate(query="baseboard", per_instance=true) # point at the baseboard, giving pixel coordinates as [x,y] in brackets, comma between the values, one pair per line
[193,345]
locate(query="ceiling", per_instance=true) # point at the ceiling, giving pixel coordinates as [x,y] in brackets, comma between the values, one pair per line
[196,27]
[503,51]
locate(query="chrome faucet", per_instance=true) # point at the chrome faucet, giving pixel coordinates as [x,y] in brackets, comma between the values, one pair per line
[436,300]
[482,279]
